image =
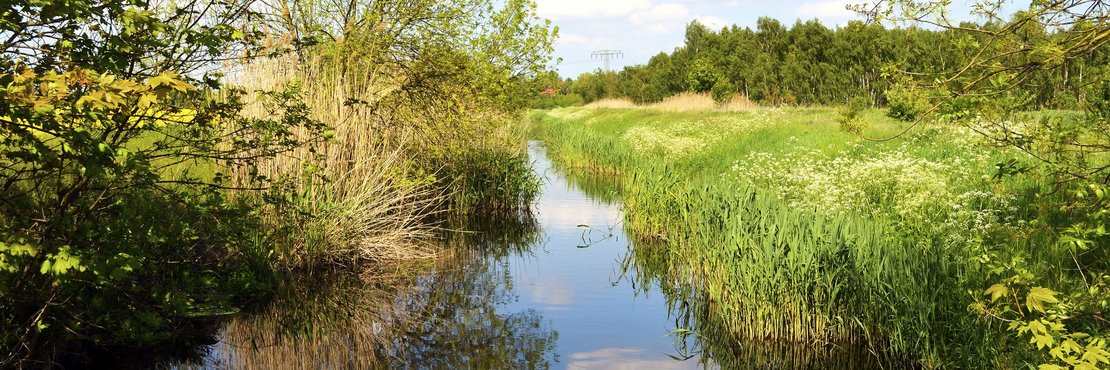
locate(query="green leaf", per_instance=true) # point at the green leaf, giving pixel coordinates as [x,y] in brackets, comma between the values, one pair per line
[1095,355]
[996,291]
[1038,296]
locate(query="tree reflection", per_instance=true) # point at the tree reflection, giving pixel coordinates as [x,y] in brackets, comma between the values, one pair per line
[458,318]
[448,314]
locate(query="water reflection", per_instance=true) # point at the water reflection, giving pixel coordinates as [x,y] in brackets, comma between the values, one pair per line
[702,333]
[563,288]
[448,316]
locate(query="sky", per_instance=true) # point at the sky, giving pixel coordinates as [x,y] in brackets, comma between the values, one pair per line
[643,28]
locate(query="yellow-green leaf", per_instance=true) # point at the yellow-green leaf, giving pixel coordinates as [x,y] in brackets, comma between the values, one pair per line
[996,291]
[1042,341]
[146,100]
[1038,296]
[1096,355]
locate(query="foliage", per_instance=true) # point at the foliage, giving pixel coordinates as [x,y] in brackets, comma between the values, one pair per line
[557,101]
[758,217]
[702,76]
[441,81]
[104,139]
[1012,57]
[722,91]
[849,118]
[104,157]
[137,186]
[905,103]
[807,63]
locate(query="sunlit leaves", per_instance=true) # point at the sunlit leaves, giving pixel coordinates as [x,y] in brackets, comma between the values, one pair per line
[1038,296]
[10,253]
[61,262]
[168,79]
[996,291]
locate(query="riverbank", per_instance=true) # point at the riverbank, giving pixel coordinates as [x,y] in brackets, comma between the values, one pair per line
[801,232]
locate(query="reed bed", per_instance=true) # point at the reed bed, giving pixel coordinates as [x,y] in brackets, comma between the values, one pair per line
[356,198]
[884,273]
[684,102]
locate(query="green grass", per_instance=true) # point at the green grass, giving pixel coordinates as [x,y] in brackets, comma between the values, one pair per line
[799,232]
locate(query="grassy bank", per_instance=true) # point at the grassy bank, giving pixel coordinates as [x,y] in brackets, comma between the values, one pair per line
[800,232]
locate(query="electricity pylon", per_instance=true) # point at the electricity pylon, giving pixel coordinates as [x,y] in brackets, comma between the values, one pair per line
[605,55]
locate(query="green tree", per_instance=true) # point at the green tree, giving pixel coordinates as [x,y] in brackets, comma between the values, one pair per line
[702,76]
[116,141]
[1007,67]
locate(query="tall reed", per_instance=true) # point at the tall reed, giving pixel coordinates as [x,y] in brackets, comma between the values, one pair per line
[771,270]
[355,196]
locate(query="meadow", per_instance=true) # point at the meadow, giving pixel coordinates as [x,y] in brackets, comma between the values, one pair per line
[797,231]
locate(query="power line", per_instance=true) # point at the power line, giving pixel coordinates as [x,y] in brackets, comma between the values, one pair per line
[606,55]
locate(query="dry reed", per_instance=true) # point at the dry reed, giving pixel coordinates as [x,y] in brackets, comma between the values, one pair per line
[612,104]
[355,187]
[684,102]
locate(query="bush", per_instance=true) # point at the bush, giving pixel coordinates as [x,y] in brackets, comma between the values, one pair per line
[723,91]
[905,103]
[556,101]
[849,118]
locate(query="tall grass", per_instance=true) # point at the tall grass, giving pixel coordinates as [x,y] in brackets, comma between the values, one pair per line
[684,102]
[799,233]
[355,197]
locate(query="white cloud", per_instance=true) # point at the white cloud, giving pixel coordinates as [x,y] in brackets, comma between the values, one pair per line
[572,39]
[661,13]
[556,9]
[713,23]
[828,9]
[656,29]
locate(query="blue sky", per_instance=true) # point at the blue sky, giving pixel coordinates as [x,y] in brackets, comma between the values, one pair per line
[643,28]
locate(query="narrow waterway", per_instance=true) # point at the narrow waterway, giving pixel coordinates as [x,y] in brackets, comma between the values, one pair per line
[559,291]
[580,279]
[561,288]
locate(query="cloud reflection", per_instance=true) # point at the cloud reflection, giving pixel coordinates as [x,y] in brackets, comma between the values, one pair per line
[553,292]
[569,214]
[622,358]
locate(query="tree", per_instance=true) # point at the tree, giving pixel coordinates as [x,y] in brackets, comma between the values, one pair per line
[702,76]
[111,114]
[1007,68]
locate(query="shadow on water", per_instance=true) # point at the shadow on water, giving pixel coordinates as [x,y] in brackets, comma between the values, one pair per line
[442,314]
[561,288]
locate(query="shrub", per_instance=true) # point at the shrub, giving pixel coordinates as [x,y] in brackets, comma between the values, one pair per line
[849,118]
[557,101]
[723,91]
[905,103]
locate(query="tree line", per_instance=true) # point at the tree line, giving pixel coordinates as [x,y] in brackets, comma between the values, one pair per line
[811,64]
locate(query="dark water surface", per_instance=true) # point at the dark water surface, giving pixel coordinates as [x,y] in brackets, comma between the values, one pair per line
[563,289]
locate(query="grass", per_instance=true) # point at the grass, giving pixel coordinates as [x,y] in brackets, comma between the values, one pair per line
[372,191]
[799,232]
[354,198]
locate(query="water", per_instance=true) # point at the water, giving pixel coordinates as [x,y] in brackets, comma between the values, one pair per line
[562,290]
[577,279]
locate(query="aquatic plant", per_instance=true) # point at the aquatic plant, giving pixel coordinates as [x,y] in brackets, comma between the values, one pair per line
[795,231]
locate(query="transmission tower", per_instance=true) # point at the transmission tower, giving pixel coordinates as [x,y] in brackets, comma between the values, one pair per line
[606,55]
